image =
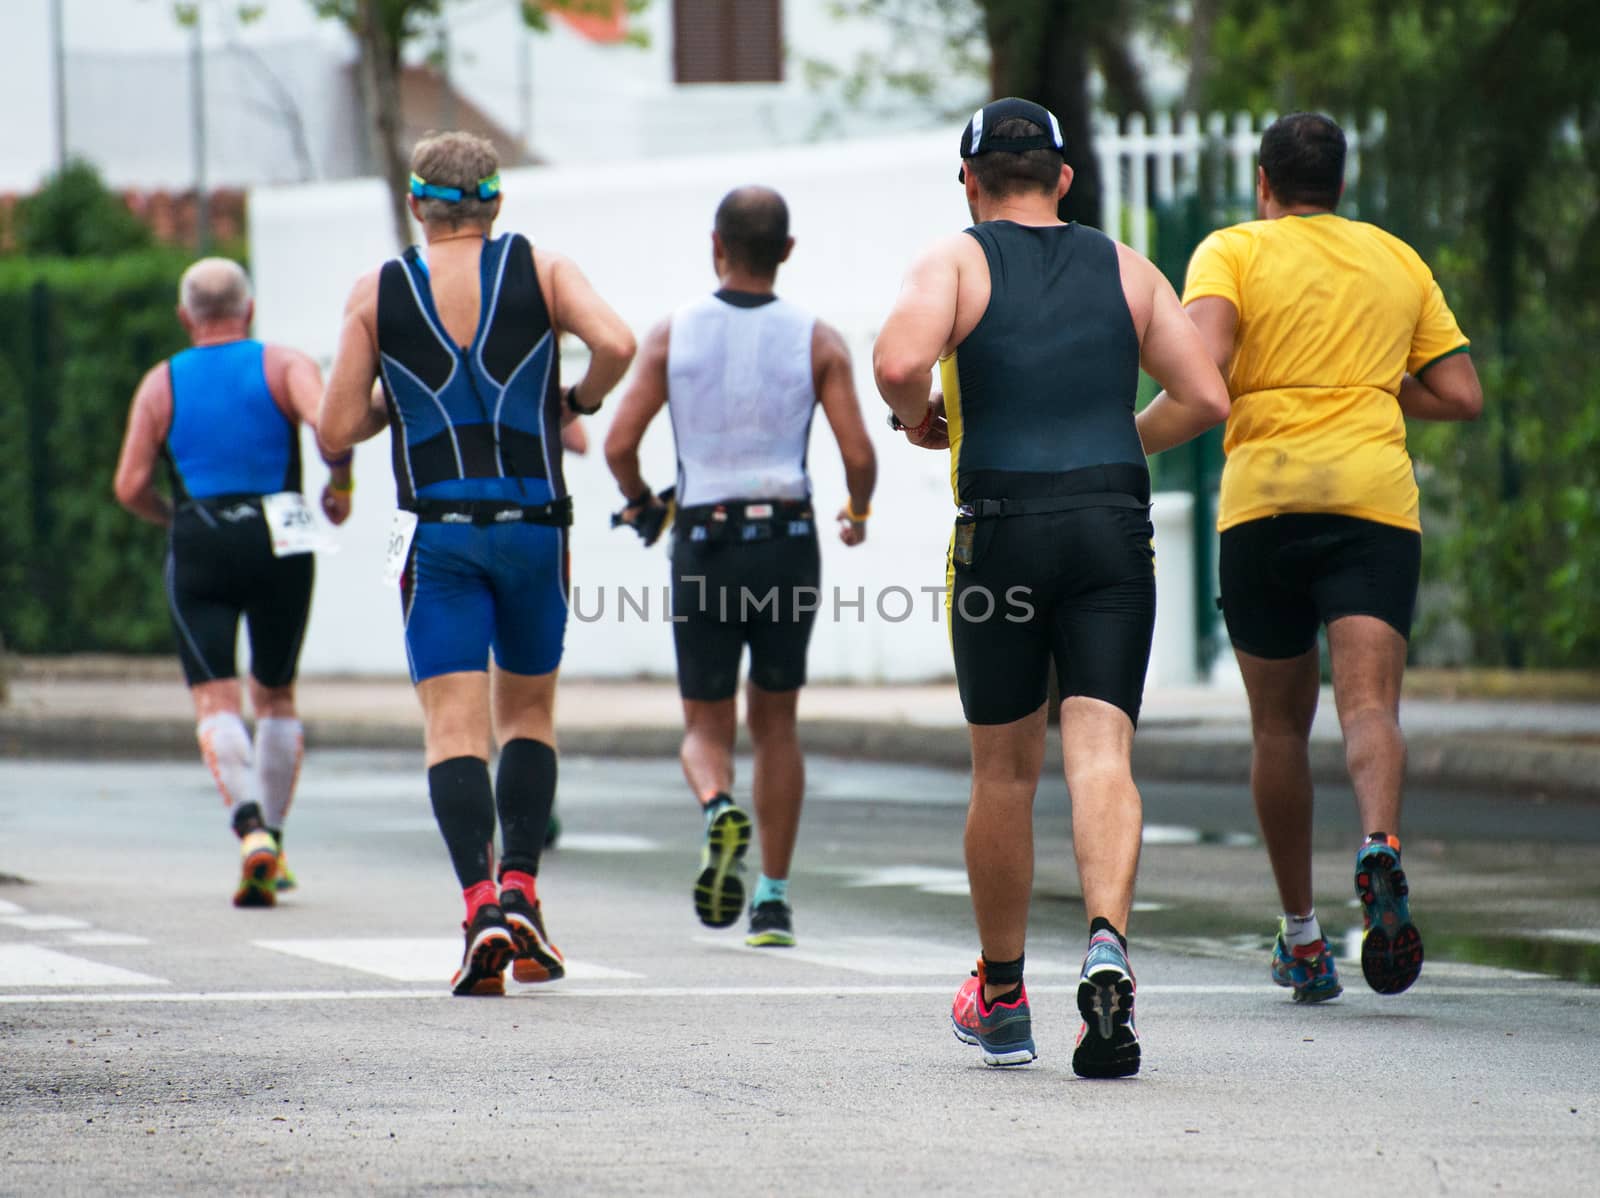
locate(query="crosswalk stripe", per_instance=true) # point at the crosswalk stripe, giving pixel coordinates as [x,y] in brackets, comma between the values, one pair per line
[30,965]
[405,960]
[885,956]
[44,923]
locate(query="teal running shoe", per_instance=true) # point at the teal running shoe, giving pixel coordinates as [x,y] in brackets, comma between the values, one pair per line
[1391,947]
[718,889]
[1108,1041]
[1307,969]
[1004,1031]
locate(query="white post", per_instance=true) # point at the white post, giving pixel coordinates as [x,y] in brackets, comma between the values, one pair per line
[1137,153]
[1191,143]
[1165,148]
[1108,143]
[1243,147]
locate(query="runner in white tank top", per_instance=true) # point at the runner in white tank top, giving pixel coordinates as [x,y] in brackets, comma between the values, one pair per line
[741,373]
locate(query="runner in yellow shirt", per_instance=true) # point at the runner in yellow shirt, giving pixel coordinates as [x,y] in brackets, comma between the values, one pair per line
[1331,332]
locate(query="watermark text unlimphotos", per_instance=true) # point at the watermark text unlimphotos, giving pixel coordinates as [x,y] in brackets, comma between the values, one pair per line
[778,605]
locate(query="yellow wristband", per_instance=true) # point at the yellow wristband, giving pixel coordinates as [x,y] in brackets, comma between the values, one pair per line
[850,514]
[349,486]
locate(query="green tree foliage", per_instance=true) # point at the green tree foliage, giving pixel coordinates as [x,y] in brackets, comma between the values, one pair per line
[77,572]
[75,215]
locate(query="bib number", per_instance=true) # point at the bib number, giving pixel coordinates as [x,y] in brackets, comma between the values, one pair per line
[291,525]
[401,530]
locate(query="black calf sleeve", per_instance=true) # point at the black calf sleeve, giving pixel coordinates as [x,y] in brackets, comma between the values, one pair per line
[464,806]
[525,790]
[1002,973]
[246,819]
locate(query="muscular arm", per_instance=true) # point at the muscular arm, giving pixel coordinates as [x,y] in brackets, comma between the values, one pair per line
[349,412]
[149,419]
[1185,352]
[1446,390]
[646,395]
[836,391]
[576,308]
[919,328]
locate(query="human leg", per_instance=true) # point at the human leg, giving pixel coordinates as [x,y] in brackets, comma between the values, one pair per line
[777,789]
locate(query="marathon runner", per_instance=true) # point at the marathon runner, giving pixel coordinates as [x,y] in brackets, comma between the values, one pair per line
[1039,329]
[741,373]
[225,417]
[1331,333]
[463,332]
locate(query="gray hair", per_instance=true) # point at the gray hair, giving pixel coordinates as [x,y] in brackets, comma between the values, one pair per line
[215,289]
[457,160]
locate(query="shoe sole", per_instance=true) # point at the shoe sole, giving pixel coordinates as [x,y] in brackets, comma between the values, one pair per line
[1023,1054]
[1108,1046]
[258,885]
[771,940]
[483,974]
[718,890]
[536,960]
[1391,949]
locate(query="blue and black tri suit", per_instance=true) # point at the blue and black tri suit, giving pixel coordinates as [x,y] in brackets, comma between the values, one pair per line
[1051,556]
[477,455]
[229,444]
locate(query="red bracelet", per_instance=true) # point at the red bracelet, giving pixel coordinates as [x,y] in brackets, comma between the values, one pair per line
[921,430]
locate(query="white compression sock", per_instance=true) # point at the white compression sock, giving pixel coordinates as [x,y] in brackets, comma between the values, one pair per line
[225,748]
[280,746]
[1301,930]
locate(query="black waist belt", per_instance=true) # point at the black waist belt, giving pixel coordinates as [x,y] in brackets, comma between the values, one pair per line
[982,509]
[745,520]
[482,513]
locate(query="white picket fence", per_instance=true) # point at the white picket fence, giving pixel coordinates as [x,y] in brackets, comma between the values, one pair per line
[1145,163]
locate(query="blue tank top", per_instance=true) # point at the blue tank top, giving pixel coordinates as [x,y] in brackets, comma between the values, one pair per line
[228,435]
[474,422]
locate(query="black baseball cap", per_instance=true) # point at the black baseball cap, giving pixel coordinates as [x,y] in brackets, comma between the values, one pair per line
[976,138]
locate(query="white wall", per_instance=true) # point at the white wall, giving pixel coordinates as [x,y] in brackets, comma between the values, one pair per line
[859,212]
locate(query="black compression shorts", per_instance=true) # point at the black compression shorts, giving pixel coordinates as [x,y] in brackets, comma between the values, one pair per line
[729,594]
[1284,576]
[220,567]
[1077,586]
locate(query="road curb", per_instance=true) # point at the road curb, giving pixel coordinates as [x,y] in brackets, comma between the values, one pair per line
[1470,762]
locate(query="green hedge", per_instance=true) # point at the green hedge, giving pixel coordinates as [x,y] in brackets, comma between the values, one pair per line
[76,571]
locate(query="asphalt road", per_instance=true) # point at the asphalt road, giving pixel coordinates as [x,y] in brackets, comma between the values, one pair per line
[153,1039]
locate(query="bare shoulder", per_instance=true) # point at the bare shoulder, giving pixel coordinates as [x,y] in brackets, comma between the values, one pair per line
[656,341]
[828,344]
[1142,281]
[364,293]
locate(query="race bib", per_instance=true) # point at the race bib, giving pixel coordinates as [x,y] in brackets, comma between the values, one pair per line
[401,530]
[291,525]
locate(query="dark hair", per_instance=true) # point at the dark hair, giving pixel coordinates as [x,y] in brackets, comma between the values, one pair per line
[753,223]
[1001,173]
[1303,157]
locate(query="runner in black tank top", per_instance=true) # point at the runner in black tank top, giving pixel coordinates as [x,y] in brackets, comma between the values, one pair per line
[1039,329]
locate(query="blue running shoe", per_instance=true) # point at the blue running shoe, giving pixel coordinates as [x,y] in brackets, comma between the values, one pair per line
[1108,1042]
[1391,948]
[1307,969]
[1004,1031]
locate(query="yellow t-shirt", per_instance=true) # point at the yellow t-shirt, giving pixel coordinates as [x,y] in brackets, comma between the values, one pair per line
[1332,313]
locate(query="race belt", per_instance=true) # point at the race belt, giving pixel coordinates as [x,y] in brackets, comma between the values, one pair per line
[485,513]
[983,509]
[743,521]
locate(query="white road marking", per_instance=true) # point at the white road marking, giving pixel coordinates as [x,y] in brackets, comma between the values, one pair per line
[30,965]
[604,842]
[1574,935]
[409,960]
[927,878]
[884,956]
[9,908]
[99,939]
[560,990]
[44,923]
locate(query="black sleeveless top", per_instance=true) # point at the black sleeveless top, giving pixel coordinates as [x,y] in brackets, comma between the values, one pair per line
[1044,386]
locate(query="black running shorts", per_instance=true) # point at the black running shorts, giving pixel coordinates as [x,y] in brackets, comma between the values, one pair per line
[729,594]
[1284,576]
[220,567]
[1077,586]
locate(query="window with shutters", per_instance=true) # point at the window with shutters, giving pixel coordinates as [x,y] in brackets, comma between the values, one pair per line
[727,41]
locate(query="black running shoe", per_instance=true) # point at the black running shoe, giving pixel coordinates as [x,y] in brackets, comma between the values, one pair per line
[537,960]
[489,950]
[771,925]
[718,889]
[1108,1043]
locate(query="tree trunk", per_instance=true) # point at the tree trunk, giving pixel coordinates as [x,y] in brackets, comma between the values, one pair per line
[1202,23]
[380,89]
[1034,54]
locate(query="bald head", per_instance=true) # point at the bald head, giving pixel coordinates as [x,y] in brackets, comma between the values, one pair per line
[753,225]
[214,289]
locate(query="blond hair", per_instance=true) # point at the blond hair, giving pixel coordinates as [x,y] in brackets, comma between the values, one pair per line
[457,160]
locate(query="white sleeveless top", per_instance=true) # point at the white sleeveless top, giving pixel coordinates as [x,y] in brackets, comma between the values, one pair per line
[741,398]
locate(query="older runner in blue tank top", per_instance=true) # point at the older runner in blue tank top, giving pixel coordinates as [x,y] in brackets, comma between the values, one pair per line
[463,334]
[225,417]
[1039,328]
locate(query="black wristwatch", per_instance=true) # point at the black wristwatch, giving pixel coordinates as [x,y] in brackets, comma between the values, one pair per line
[895,423]
[574,405]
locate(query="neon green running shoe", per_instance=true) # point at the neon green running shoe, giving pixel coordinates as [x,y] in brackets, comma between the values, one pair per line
[718,889]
